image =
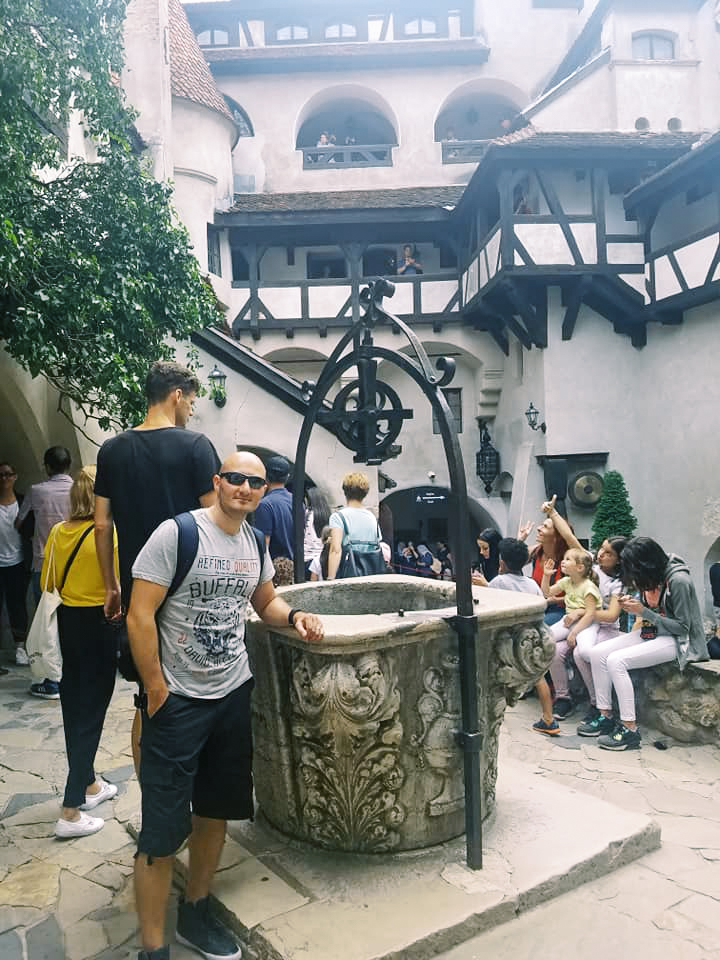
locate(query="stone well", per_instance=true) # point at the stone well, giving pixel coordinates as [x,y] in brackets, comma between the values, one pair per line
[355,745]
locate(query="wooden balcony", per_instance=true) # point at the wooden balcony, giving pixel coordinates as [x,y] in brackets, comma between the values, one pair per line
[505,282]
[374,155]
[290,305]
[463,151]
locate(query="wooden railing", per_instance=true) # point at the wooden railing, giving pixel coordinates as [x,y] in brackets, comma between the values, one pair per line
[297,304]
[463,151]
[373,155]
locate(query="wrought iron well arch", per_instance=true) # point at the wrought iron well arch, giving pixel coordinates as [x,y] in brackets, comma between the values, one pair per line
[359,428]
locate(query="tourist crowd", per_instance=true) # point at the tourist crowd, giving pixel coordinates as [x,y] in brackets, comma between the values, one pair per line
[153,563]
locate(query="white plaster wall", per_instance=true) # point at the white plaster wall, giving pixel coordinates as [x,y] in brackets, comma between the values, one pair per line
[202,169]
[657,91]
[533,39]
[146,79]
[32,423]
[253,417]
[478,360]
[415,97]
[523,383]
[652,409]
[587,105]
[665,16]
[677,219]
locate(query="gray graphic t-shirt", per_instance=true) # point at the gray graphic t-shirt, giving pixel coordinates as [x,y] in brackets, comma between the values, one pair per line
[202,625]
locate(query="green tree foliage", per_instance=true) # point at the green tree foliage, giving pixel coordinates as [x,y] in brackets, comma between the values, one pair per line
[613,516]
[95,273]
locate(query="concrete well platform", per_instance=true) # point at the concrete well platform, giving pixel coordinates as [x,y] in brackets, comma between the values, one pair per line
[289,901]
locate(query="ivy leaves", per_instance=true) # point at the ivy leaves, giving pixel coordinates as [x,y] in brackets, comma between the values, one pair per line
[96,276]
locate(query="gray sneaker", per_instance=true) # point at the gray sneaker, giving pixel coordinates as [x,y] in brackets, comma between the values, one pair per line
[596,727]
[622,739]
[198,929]
[162,953]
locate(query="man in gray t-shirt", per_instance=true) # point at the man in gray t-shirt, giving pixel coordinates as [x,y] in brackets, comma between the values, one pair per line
[196,749]
[202,625]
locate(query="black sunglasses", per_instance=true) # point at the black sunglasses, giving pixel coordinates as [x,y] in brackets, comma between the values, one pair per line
[238,479]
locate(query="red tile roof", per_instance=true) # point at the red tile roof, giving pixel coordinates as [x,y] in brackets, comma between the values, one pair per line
[189,73]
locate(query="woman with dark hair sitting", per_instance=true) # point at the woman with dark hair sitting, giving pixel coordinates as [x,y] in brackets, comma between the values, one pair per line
[669,627]
[488,541]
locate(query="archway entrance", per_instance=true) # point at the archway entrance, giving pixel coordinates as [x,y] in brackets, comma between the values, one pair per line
[421,514]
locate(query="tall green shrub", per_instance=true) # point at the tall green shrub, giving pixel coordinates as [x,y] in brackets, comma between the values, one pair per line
[614,516]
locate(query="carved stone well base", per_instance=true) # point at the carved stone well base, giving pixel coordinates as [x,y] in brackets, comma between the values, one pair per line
[355,739]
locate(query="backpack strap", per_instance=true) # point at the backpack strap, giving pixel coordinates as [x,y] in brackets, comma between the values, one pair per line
[261,545]
[187,548]
[344,523]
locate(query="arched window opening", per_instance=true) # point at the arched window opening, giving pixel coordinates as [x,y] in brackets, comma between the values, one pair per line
[340,31]
[653,46]
[420,27]
[292,32]
[241,119]
[213,38]
[347,132]
[468,121]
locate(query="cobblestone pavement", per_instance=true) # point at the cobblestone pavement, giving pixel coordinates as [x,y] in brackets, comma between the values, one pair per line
[73,899]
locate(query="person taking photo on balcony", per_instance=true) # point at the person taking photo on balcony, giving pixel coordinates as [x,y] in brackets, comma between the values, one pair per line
[409,264]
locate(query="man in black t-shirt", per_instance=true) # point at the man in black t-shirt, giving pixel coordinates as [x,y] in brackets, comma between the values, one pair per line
[147,475]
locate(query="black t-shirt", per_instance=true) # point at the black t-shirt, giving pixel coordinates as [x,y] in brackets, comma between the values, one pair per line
[149,476]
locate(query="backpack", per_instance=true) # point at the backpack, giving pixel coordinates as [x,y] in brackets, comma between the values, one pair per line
[187,548]
[356,563]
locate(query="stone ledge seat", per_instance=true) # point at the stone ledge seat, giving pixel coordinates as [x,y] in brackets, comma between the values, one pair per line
[685,706]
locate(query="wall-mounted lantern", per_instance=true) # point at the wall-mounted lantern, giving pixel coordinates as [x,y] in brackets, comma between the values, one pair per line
[217,386]
[533,415]
[487,459]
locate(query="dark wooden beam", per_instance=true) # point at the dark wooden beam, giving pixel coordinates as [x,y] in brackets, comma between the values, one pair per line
[713,265]
[598,204]
[557,211]
[520,248]
[678,272]
[507,232]
[519,330]
[523,307]
[574,302]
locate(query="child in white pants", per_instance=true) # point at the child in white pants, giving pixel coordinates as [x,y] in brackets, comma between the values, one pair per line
[581,597]
[606,625]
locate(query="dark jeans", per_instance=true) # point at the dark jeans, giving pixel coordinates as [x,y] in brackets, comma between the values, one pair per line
[88,646]
[13,588]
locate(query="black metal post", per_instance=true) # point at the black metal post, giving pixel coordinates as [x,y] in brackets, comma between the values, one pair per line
[360,429]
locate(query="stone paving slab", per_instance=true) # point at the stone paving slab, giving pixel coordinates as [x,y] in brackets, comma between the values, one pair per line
[412,905]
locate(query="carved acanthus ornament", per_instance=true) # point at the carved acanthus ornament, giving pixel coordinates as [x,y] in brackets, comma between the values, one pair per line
[346,717]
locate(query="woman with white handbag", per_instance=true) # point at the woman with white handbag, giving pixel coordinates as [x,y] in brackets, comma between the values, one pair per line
[88,646]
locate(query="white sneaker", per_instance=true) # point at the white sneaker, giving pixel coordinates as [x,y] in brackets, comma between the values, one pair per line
[65,829]
[106,792]
[21,657]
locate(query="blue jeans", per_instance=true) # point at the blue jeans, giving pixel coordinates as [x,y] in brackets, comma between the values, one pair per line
[553,614]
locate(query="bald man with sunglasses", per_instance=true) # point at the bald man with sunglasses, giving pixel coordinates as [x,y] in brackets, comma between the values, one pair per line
[189,649]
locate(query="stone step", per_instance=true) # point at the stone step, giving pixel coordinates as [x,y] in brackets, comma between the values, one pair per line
[290,901]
